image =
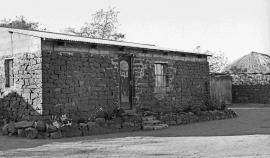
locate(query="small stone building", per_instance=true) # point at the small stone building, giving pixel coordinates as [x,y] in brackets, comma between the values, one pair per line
[47,74]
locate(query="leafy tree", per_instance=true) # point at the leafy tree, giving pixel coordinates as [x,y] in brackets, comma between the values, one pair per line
[103,25]
[217,62]
[20,22]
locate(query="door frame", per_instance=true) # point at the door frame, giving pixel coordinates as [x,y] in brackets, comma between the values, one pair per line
[130,79]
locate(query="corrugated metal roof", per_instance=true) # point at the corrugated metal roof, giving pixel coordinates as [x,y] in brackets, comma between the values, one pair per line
[66,37]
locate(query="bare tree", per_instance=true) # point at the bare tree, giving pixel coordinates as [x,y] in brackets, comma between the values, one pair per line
[103,25]
[20,22]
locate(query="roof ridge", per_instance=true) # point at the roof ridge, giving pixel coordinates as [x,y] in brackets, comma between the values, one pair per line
[260,53]
[66,34]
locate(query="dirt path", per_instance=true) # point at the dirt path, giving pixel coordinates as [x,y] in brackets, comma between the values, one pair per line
[246,136]
[221,146]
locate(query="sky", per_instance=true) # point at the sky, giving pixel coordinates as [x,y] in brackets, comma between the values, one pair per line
[235,27]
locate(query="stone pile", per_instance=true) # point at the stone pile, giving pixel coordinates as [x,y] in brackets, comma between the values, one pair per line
[190,117]
[151,123]
[58,128]
[124,121]
[23,129]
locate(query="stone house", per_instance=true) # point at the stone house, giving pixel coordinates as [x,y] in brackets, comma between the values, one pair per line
[45,74]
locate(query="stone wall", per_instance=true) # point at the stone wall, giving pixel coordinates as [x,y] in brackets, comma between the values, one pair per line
[251,94]
[79,84]
[188,85]
[251,88]
[23,100]
[251,79]
[80,79]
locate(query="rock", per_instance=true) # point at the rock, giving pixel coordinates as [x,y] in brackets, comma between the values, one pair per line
[101,114]
[173,122]
[100,121]
[5,129]
[46,135]
[155,127]
[151,122]
[81,120]
[118,120]
[70,131]
[83,125]
[31,132]
[23,124]
[130,112]
[125,118]
[21,132]
[150,113]
[91,124]
[11,128]
[128,124]
[179,121]
[161,126]
[51,128]
[64,130]
[118,112]
[74,131]
[116,125]
[190,113]
[40,126]
[42,135]
[148,118]
[109,122]
[56,135]
[148,127]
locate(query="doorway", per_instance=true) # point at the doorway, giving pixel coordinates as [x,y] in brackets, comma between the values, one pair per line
[126,83]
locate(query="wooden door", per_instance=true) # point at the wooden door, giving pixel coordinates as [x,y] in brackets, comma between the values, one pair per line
[125,82]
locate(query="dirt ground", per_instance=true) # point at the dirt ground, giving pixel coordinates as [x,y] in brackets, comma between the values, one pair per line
[246,136]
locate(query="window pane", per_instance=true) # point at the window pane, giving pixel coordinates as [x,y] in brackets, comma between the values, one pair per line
[158,69]
[159,81]
[163,81]
[160,77]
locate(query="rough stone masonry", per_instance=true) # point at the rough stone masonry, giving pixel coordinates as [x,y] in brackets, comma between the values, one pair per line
[24,99]
[79,81]
[55,77]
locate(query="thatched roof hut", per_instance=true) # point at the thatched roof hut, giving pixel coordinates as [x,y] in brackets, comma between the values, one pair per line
[250,78]
[251,63]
